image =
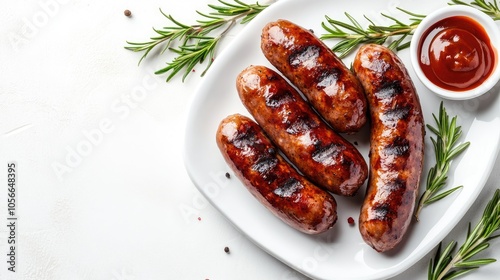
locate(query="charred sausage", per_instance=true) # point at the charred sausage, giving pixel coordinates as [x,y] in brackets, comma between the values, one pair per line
[273,181]
[317,72]
[322,155]
[396,146]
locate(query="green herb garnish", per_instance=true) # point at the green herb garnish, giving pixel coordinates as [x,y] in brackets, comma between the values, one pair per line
[197,42]
[353,34]
[446,149]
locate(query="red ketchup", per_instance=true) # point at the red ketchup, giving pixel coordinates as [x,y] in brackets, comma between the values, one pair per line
[456,54]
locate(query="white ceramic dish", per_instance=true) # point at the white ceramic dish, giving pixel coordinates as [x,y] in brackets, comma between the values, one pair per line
[491,28]
[340,253]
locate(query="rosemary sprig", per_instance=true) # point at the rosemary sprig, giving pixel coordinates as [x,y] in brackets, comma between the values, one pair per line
[196,42]
[448,266]
[488,7]
[446,149]
[353,34]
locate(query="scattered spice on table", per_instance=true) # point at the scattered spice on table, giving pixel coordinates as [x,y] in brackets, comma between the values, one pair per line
[226,249]
[127,13]
[350,220]
[228,175]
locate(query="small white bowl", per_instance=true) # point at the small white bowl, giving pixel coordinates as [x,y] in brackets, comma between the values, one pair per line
[492,30]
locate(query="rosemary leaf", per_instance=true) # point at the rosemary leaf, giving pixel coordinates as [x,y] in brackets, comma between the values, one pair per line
[458,273]
[476,263]
[493,237]
[441,195]
[475,251]
[446,256]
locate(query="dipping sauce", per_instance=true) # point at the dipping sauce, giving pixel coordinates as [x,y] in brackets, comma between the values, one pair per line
[456,53]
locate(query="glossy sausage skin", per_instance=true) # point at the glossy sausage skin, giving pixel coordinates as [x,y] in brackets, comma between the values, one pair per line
[317,72]
[396,146]
[273,181]
[322,155]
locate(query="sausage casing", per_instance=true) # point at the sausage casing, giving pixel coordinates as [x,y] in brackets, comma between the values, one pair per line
[396,146]
[317,72]
[274,182]
[322,155]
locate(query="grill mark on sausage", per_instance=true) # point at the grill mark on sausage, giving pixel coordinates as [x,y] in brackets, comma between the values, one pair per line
[302,124]
[382,211]
[288,188]
[399,147]
[264,167]
[244,139]
[328,77]
[385,211]
[272,77]
[305,56]
[265,164]
[326,155]
[389,89]
[396,185]
[276,99]
[395,114]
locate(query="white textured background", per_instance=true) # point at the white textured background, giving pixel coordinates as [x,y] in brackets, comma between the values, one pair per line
[102,190]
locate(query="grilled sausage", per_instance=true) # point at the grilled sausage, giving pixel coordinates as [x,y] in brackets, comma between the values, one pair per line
[322,155]
[317,72]
[396,146]
[273,181]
